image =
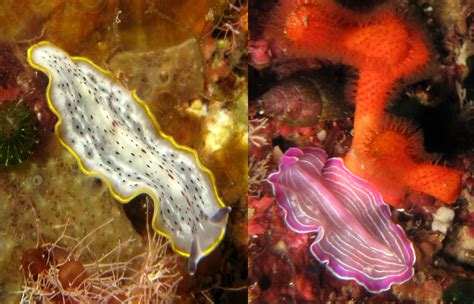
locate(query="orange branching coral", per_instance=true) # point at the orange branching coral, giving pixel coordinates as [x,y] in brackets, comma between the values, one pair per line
[386,49]
[393,159]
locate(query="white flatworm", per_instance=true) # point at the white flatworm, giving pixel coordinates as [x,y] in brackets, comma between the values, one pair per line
[114,136]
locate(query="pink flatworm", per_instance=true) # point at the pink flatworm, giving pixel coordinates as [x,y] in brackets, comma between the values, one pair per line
[356,236]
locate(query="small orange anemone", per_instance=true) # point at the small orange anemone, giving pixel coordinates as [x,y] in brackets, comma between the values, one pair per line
[394,160]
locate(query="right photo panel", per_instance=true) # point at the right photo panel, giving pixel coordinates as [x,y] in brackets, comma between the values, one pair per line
[361,159]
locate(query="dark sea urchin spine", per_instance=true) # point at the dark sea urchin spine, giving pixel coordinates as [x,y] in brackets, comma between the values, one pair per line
[19,132]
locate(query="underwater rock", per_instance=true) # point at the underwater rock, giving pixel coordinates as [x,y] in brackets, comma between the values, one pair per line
[153,25]
[94,6]
[460,292]
[442,219]
[275,249]
[24,87]
[429,291]
[176,71]
[258,208]
[303,101]
[10,67]
[22,20]
[453,20]
[74,24]
[461,245]
[66,197]
[460,242]
[171,81]
[224,144]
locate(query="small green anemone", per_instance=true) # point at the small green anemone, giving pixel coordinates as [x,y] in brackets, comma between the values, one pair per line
[19,132]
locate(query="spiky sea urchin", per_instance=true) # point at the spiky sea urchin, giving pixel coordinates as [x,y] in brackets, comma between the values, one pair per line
[19,132]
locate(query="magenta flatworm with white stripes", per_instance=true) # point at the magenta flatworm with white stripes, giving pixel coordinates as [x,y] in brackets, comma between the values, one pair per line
[355,234]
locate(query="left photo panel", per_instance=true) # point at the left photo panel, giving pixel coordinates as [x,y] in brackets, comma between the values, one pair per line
[123,151]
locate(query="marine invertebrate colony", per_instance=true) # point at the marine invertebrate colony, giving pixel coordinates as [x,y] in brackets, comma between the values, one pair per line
[385,48]
[19,132]
[113,135]
[320,195]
